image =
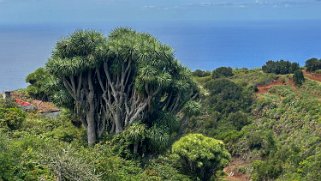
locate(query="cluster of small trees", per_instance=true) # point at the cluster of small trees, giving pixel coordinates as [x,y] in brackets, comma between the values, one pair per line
[280,67]
[313,64]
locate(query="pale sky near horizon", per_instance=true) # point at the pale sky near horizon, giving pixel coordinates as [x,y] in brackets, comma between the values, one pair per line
[96,11]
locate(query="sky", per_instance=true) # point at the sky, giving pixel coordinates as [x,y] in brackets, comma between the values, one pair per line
[99,11]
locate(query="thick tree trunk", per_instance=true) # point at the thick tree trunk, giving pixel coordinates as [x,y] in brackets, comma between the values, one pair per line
[91,128]
[135,148]
[118,124]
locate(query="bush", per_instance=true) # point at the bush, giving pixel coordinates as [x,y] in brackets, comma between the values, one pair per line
[138,140]
[264,171]
[200,156]
[201,73]
[262,141]
[298,77]
[280,67]
[313,64]
[163,168]
[226,96]
[238,119]
[12,118]
[222,72]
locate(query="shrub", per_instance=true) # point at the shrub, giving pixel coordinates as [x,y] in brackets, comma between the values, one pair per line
[12,117]
[201,73]
[298,77]
[264,171]
[222,72]
[238,119]
[227,97]
[163,168]
[138,140]
[262,141]
[313,64]
[200,156]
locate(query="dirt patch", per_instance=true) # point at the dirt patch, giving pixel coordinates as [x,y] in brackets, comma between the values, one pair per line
[312,76]
[233,170]
[262,89]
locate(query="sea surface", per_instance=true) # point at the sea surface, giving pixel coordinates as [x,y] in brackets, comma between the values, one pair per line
[197,45]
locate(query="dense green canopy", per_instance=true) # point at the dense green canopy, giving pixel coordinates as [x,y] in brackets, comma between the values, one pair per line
[121,79]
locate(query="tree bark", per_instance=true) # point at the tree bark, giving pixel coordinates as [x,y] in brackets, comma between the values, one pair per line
[91,128]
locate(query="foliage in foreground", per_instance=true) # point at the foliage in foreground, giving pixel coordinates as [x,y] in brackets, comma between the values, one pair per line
[200,156]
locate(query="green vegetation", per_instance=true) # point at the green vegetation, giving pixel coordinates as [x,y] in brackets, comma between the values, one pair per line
[41,85]
[280,67]
[116,81]
[200,156]
[298,77]
[222,72]
[130,111]
[201,73]
[313,64]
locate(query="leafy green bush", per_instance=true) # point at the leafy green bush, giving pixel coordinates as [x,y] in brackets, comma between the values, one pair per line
[238,119]
[163,168]
[226,96]
[200,156]
[222,72]
[266,170]
[200,73]
[298,77]
[12,117]
[261,140]
[138,140]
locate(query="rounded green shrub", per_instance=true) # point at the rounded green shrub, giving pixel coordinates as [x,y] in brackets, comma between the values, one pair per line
[12,117]
[200,156]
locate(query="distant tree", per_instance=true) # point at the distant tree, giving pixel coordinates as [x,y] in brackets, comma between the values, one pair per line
[201,73]
[280,67]
[298,77]
[222,72]
[200,156]
[294,67]
[313,64]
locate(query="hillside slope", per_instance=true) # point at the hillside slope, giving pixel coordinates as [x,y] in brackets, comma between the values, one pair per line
[282,140]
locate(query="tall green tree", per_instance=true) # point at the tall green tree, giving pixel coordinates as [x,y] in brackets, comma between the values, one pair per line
[73,62]
[121,79]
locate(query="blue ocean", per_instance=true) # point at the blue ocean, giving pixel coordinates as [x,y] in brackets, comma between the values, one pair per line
[197,45]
